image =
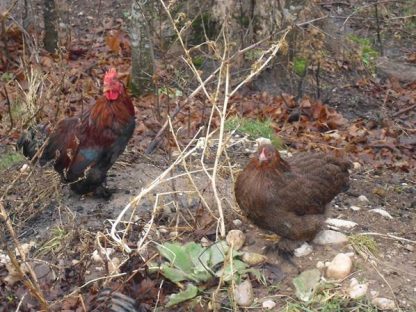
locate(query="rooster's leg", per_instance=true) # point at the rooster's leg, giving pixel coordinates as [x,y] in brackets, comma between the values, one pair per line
[294,230]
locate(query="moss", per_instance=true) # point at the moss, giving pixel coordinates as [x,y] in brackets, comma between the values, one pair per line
[299,66]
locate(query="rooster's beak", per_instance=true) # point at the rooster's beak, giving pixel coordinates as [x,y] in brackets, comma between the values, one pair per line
[262,156]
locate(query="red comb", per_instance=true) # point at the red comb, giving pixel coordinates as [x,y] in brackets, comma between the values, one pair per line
[110,74]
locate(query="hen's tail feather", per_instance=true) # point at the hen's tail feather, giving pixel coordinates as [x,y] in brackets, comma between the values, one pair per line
[31,140]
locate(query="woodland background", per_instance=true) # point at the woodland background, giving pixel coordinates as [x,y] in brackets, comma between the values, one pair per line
[208,78]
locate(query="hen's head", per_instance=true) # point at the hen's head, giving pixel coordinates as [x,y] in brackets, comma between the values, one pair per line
[112,86]
[267,156]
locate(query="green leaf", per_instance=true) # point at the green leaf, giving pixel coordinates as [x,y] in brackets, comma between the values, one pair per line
[231,269]
[306,283]
[190,292]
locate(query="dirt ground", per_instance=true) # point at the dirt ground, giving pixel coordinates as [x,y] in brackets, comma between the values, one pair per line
[65,226]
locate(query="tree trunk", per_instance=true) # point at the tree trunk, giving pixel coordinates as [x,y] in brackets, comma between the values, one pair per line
[142,57]
[50,40]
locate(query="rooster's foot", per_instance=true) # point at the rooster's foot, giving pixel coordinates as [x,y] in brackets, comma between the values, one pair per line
[103,192]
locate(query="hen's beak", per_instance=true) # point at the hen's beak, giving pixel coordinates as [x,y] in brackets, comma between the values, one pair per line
[262,156]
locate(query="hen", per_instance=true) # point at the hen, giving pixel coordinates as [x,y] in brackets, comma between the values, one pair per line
[290,197]
[85,147]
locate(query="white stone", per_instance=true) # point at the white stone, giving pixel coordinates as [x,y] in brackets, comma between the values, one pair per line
[327,237]
[261,141]
[341,223]
[357,290]
[24,168]
[268,304]
[243,294]
[363,198]
[235,239]
[320,265]
[237,222]
[356,165]
[355,208]
[96,257]
[382,212]
[303,250]
[340,267]
[384,303]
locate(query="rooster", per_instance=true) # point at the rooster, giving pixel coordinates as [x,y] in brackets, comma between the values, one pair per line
[290,197]
[84,148]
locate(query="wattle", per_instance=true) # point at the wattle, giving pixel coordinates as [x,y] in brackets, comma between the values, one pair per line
[111,95]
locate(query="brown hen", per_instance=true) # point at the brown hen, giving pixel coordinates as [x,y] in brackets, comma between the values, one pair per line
[290,197]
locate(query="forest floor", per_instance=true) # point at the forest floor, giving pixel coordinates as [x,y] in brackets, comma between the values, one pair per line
[62,232]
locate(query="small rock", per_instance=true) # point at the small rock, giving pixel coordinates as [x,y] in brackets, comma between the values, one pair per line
[96,257]
[374,293]
[75,261]
[327,237]
[237,222]
[205,242]
[243,294]
[268,304]
[355,208]
[382,212]
[303,250]
[25,168]
[235,239]
[379,191]
[363,198]
[409,247]
[384,303]
[261,141]
[340,267]
[320,265]
[341,223]
[356,165]
[252,258]
[356,290]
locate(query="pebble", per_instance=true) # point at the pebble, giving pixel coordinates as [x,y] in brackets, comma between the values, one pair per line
[243,294]
[356,290]
[384,303]
[327,237]
[303,250]
[235,239]
[363,198]
[409,247]
[340,267]
[237,222]
[24,168]
[341,223]
[252,258]
[356,165]
[382,212]
[262,140]
[355,208]
[320,265]
[268,304]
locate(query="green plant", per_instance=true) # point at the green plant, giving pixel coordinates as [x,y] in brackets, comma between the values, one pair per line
[196,265]
[254,128]
[9,159]
[300,65]
[367,53]
[363,243]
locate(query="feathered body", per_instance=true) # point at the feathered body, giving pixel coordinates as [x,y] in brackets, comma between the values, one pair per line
[290,197]
[85,147]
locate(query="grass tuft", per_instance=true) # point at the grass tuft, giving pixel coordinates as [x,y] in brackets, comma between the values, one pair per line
[9,159]
[254,129]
